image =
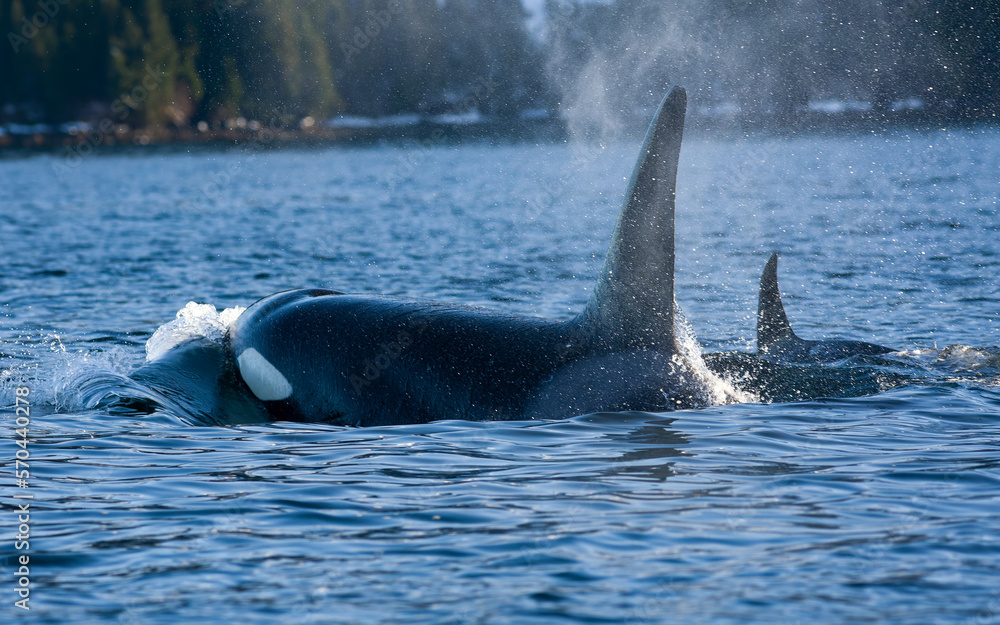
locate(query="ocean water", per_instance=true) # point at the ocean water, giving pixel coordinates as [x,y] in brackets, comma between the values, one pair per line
[866,490]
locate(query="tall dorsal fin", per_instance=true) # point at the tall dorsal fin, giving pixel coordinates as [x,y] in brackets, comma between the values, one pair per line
[772,323]
[633,302]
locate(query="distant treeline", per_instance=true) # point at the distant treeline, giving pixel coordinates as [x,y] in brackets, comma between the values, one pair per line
[179,62]
[157,62]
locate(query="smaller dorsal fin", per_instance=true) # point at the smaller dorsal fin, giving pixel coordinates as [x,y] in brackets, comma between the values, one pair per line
[772,323]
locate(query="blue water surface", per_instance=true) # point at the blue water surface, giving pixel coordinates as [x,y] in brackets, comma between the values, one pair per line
[877,505]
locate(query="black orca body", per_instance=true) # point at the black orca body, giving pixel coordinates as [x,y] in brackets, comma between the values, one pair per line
[363,360]
[777,341]
[319,355]
[198,378]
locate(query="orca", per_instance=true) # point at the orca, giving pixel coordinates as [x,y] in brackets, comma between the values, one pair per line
[776,340]
[197,379]
[317,355]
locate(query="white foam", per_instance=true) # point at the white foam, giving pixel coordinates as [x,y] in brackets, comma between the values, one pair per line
[957,356]
[193,321]
[718,391]
[264,380]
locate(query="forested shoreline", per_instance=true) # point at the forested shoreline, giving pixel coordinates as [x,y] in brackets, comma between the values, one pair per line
[270,60]
[183,66]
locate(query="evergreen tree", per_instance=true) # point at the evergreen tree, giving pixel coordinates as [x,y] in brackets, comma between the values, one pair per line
[157,62]
[144,63]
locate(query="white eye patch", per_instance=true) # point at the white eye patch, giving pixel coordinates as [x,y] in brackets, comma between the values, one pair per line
[266,382]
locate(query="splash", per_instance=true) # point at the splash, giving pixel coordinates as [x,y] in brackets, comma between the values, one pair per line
[958,358]
[193,321]
[63,379]
[81,380]
[718,391]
